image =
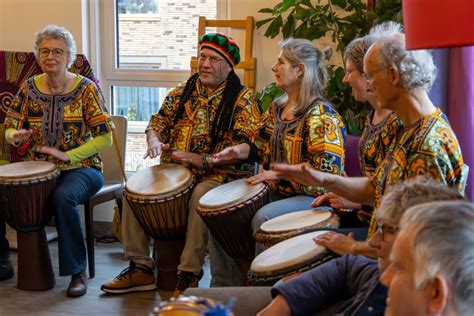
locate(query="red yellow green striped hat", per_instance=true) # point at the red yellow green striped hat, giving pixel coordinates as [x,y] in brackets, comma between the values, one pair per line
[222,44]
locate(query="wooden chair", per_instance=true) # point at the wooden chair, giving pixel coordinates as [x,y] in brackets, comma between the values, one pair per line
[247,62]
[114,183]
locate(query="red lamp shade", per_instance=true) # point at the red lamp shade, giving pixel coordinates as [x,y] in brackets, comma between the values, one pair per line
[438,23]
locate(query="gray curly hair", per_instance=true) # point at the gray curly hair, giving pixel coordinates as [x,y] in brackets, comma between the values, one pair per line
[59,33]
[416,67]
[356,49]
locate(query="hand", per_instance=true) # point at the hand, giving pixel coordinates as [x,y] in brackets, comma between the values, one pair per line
[192,158]
[61,155]
[302,173]
[232,154]
[338,243]
[21,135]
[335,201]
[155,148]
[268,175]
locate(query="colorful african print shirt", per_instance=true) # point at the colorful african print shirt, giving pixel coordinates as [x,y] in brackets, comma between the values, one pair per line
[64,121]
[192,132]
[317,136]
[427,147]
[376,141]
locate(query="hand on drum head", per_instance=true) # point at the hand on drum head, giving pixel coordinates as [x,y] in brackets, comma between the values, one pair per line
[338,243]
[21,135]
[232,154]
[192,158]
[268,175]
[155,148]
[61,155]
[302,173]
[335,201]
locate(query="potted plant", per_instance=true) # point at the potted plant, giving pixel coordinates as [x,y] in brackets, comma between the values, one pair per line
[342,21]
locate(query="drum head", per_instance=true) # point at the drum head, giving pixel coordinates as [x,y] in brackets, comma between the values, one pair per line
[229,194]
[26,169]
[295,220]
[159,180]
[287,254]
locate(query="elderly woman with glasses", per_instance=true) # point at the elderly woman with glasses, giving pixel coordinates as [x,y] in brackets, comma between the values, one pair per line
[61,117]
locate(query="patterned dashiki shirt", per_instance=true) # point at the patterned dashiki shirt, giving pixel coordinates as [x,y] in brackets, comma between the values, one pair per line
[64,121]
[192,132]
[316,136]
[427,147]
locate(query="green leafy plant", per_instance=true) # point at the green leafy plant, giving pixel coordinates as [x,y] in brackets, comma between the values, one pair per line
[342,21]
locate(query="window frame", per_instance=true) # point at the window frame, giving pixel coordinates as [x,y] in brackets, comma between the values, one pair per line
[112,75]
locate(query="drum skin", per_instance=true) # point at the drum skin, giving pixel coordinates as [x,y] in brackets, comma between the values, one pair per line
[293,224]
[159,197]
[291,256]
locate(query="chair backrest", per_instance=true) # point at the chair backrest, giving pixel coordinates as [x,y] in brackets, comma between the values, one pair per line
[247,62]
[110,158]
[352,165]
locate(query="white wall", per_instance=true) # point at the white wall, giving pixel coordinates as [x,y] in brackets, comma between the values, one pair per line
[21,19]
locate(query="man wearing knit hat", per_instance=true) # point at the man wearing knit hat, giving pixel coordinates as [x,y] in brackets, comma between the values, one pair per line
[208,113]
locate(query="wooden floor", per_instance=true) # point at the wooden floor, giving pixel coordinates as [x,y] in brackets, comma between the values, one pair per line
[109,262]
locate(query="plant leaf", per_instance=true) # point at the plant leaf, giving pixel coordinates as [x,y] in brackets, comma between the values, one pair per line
[289,26]
[274,28]
[340,3]
[286,5]
[266,10]
[263,22]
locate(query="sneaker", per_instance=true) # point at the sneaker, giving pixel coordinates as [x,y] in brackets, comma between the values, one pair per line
[132,279]
[185,280]
[6,271]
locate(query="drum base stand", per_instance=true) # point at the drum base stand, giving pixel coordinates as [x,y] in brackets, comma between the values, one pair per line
[35,272]
[168,255]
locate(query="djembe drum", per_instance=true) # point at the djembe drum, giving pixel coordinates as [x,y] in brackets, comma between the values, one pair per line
[159,196]
[25,188]
[228,211]
[293,224]
[291,256]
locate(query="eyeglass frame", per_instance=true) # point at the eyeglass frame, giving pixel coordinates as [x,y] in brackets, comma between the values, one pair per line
[369,75]
[213,60]
[56,52]
[383,229]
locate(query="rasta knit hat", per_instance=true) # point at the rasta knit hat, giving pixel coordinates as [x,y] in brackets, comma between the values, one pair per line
[223,45]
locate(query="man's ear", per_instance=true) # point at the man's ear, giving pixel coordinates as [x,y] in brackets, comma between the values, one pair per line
[394,76]
[437,291]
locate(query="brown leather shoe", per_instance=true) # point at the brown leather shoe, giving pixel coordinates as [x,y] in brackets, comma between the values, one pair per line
[78,285]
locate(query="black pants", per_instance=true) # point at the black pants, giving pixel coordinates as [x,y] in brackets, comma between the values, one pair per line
[4,246]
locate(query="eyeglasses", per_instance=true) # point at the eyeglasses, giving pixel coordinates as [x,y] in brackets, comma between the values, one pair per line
[349,71]
[57,52]
[213,60]
[383,230]
[369,75]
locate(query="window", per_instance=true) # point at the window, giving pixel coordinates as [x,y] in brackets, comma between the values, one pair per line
[148,55]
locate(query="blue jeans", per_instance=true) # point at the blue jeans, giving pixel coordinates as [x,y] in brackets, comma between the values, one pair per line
[75,187]
[4,246]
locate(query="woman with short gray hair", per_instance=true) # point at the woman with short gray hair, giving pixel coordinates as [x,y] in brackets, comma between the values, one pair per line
[61,117]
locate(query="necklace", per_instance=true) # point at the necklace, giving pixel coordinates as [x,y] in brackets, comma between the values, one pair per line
[60,90]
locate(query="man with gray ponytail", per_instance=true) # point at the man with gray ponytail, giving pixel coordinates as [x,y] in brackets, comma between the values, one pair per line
[431,269]
[198,118]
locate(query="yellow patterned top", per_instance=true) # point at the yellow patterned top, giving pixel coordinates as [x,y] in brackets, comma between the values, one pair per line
[63,121]
[317,136]
[427,147]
